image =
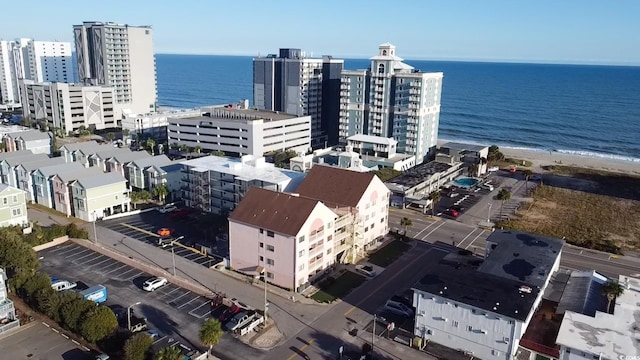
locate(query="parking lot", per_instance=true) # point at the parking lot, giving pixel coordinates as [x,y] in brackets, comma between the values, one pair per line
[36,341]
[174,312]
[195,243]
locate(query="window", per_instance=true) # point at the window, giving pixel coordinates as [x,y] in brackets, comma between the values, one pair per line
[328,251]
[470,328]
[270,275]
[271,248]
[382,220]
[5,201]
[301,239]
[261,245]
[455,323]
[301,253]
[261,258]
[16,212]
[15,199]
[270,262]
[261,231]
[301,267]
[270,234]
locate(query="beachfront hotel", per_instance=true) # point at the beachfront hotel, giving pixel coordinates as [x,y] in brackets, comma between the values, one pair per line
[296,83]
[392,99]
[120,56]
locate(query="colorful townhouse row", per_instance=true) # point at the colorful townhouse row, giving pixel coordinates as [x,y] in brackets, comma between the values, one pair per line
[88,181]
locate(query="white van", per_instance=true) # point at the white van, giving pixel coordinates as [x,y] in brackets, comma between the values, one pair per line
[487,186]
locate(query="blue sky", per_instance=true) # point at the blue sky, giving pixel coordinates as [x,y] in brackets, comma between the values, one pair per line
[559,31]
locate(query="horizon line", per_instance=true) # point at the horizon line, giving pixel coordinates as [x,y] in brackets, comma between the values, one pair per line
[479,60]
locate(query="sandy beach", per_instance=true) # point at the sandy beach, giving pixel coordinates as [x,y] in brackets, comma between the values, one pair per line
[542,158]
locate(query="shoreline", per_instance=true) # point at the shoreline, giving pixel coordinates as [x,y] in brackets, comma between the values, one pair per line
[541,158]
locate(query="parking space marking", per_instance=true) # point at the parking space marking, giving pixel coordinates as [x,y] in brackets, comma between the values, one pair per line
[160,339]
[91,254]
[114,263]
[66,248]
[188,302]
[140,230]
[172,296]
[169,292]
[118,268]
[134,276]
[92,259]
[132,269]
[207,303]
[186,293]
[191,254]
[107,259]
[72,254]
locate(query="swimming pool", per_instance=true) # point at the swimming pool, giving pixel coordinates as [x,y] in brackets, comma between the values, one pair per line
[466,182]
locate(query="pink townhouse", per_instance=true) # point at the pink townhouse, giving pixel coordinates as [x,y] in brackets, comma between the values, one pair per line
[60,183]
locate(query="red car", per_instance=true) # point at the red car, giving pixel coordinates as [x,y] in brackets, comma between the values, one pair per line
[451,212]
[229,313]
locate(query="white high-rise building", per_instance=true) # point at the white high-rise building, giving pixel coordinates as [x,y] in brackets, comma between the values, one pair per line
[392,99]
[120,56]
[40,61]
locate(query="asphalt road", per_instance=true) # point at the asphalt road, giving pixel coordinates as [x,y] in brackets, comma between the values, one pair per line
[36,341]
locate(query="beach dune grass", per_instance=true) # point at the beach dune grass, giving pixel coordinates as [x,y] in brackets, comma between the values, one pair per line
[585,219]
[332,289]
[389,253]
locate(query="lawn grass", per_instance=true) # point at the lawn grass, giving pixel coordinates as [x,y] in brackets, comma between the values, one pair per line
[332,289]
[590,220]
[507,162]
[389,253]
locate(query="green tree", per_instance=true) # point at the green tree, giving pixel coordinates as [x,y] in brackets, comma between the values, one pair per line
[175,145]
[386,174]
[111,136]
[527,175]
[198,149]
[434,196]
[184,147]
[151,144]
[137,346]
[472,170]
[160,192]
[503,195]
[495,154]
[72,312]
[217,153]
[35,283]
[405,222]
[48,302]
[17,258]
[126,133]
[134,196]
[612,289]
[281,158]
[210,332]
[98,323]
[169,353]
[145,195]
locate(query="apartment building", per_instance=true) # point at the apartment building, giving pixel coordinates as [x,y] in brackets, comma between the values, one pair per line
[68,107]
[392,99]
[289,236]
[28,59]
[296,83]
[24,171]
[13,207]
[41,179]
[8,317]
[484,309]
[61,199]
[217,184]
[238,132]
[147,173]
[10,160]
[95,197]
[36,141]
[122,57]
[154,125]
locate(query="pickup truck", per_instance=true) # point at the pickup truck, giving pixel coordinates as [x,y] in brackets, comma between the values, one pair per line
[62,285]
[240,320]
[137,324]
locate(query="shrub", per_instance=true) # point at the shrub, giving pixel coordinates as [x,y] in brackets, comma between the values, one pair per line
[73,231]
[99,323]
[137,346]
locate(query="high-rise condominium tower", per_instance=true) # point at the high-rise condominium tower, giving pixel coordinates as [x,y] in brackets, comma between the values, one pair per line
[40,61]
[298,84]
[120,56]
[392,99]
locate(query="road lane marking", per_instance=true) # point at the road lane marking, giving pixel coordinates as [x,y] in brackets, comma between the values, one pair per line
[139,229]
[465,238]
[434,229]
[349,311]
[427,227]
[474,240]
[293,356]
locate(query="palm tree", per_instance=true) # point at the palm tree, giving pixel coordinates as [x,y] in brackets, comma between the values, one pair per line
[198,149]
[612,290]
[111,136]
[151,144]
[169,353]
[434,197]
[472,170]
[527,175]
[134,196]
[406,223]
[125,133]
[503,195]
[210,332]
[161,191]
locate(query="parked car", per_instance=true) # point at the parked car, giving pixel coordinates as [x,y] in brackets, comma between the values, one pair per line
[167,209]
[164,232]
[366,269]
[398,308]
[451,212]
[154,283]
[230,312]
[239,320]
[458,208]
[402,299]
[453,194]
[493,169]
[486,186]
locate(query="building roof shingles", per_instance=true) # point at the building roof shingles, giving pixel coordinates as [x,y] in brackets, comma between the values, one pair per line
[90,182]
[279,212]
[335,186]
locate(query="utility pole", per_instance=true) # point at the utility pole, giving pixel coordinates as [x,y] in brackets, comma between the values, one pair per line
[173,257]
[266,304]
[95,232]
[373,334]
[489,215]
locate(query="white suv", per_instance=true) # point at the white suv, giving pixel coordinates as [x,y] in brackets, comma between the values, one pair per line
[167,209]
[154,283]
[398,308]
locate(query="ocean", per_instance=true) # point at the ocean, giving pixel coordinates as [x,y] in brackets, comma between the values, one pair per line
[573,109]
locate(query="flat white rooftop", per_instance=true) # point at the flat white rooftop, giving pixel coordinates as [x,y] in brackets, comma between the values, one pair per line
[248,168]
[607,335]
[372,139]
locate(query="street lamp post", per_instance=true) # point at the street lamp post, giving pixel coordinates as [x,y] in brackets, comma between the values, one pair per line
[373,334]
[95,232]
[266,304]
[489,214]
[129,315]
[173,257]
